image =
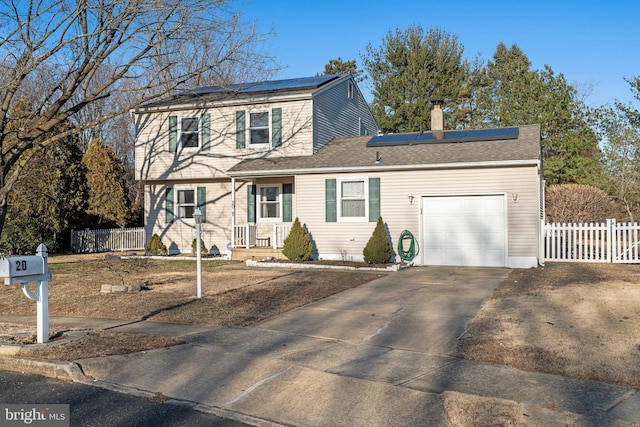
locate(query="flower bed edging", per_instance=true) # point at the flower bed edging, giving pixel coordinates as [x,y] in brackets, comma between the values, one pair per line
[253,263]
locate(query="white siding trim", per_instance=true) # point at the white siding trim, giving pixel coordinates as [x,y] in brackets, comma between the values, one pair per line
[371,169]
[216,104]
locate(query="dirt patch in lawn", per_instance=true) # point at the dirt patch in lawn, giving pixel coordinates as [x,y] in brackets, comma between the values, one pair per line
[233,295]
[578,320]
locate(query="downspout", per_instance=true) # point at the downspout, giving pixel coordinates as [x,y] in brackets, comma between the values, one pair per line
[233,212]
[541,223]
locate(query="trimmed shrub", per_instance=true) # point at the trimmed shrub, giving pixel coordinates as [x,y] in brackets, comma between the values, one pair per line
[580,203]
[203,248]
[297,245]
[156,247]
[378,249]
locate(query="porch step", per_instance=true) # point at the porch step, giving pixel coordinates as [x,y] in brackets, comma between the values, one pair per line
[256,253]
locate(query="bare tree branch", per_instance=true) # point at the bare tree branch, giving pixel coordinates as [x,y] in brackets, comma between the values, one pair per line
[68,57]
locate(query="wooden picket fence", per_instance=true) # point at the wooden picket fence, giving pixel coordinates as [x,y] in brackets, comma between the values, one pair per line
[593,242]
[106,240]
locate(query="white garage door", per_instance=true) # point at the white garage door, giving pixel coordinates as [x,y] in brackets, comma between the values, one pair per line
[464,230]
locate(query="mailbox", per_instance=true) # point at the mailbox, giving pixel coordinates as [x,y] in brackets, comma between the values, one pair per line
[22,268]
[25,269]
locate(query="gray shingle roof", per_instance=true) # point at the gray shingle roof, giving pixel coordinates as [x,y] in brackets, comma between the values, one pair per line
[353,153]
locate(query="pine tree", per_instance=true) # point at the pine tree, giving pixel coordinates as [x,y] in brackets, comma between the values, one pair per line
[338,66]
[411,68]
[378,249]
[49,196]
[508,92]
[108,199]
[297,246]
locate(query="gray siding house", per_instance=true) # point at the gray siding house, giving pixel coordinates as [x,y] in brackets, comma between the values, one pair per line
[254,157]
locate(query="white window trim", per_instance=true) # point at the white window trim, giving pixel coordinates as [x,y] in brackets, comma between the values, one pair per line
[364,218]
[176,204]
[350,89]
[258,203]
[249,144]
[191,116]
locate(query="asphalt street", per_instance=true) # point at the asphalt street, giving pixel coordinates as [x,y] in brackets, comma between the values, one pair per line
[94,406]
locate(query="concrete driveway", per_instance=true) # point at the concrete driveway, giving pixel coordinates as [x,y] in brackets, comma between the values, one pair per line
[421,309]
[371,356]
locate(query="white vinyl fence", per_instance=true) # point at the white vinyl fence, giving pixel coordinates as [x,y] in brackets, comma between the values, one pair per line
[594,242]
[113,239]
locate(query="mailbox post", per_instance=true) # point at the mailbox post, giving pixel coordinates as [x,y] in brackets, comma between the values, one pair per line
[22,270]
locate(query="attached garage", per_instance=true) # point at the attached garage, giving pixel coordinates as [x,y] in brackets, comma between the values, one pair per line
[464,230]
[467,197]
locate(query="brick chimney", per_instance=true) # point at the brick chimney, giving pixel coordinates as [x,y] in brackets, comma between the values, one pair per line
[437,115]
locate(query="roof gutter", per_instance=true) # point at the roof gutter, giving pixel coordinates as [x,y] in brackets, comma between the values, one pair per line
[376,168]
[210,104]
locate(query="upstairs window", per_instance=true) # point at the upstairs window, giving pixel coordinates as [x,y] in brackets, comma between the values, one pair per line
[191,132]
[189,138]
[259,128]
[350,90]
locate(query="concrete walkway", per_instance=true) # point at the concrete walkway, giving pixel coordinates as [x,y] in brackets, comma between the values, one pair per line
[375,355]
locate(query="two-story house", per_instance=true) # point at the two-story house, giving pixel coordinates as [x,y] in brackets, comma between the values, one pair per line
[186,144]
[254,157]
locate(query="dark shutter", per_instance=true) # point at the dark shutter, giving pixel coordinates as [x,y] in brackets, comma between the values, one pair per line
[374,199]
[240,130]
[168,205]
[206,131]
[276,127]
[173,134]
[251,203]
[331,212]
[202,201]
[287,190]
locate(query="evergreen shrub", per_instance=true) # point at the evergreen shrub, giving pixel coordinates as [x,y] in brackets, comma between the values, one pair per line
[378,249]
[203,248]
[156,247]
[297,245]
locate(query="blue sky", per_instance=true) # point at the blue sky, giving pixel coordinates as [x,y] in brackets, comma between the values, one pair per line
[595,44]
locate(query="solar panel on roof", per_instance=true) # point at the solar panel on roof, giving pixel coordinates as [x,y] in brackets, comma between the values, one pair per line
[450,136]
[266,86]
[393,139]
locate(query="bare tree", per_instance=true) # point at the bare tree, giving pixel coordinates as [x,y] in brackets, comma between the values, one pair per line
[86,62]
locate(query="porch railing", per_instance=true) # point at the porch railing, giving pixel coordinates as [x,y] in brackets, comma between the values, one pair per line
[246,236]
[280,232]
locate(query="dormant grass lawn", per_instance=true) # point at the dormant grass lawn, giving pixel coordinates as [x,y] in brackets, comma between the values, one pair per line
[579,320]
[233,295]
